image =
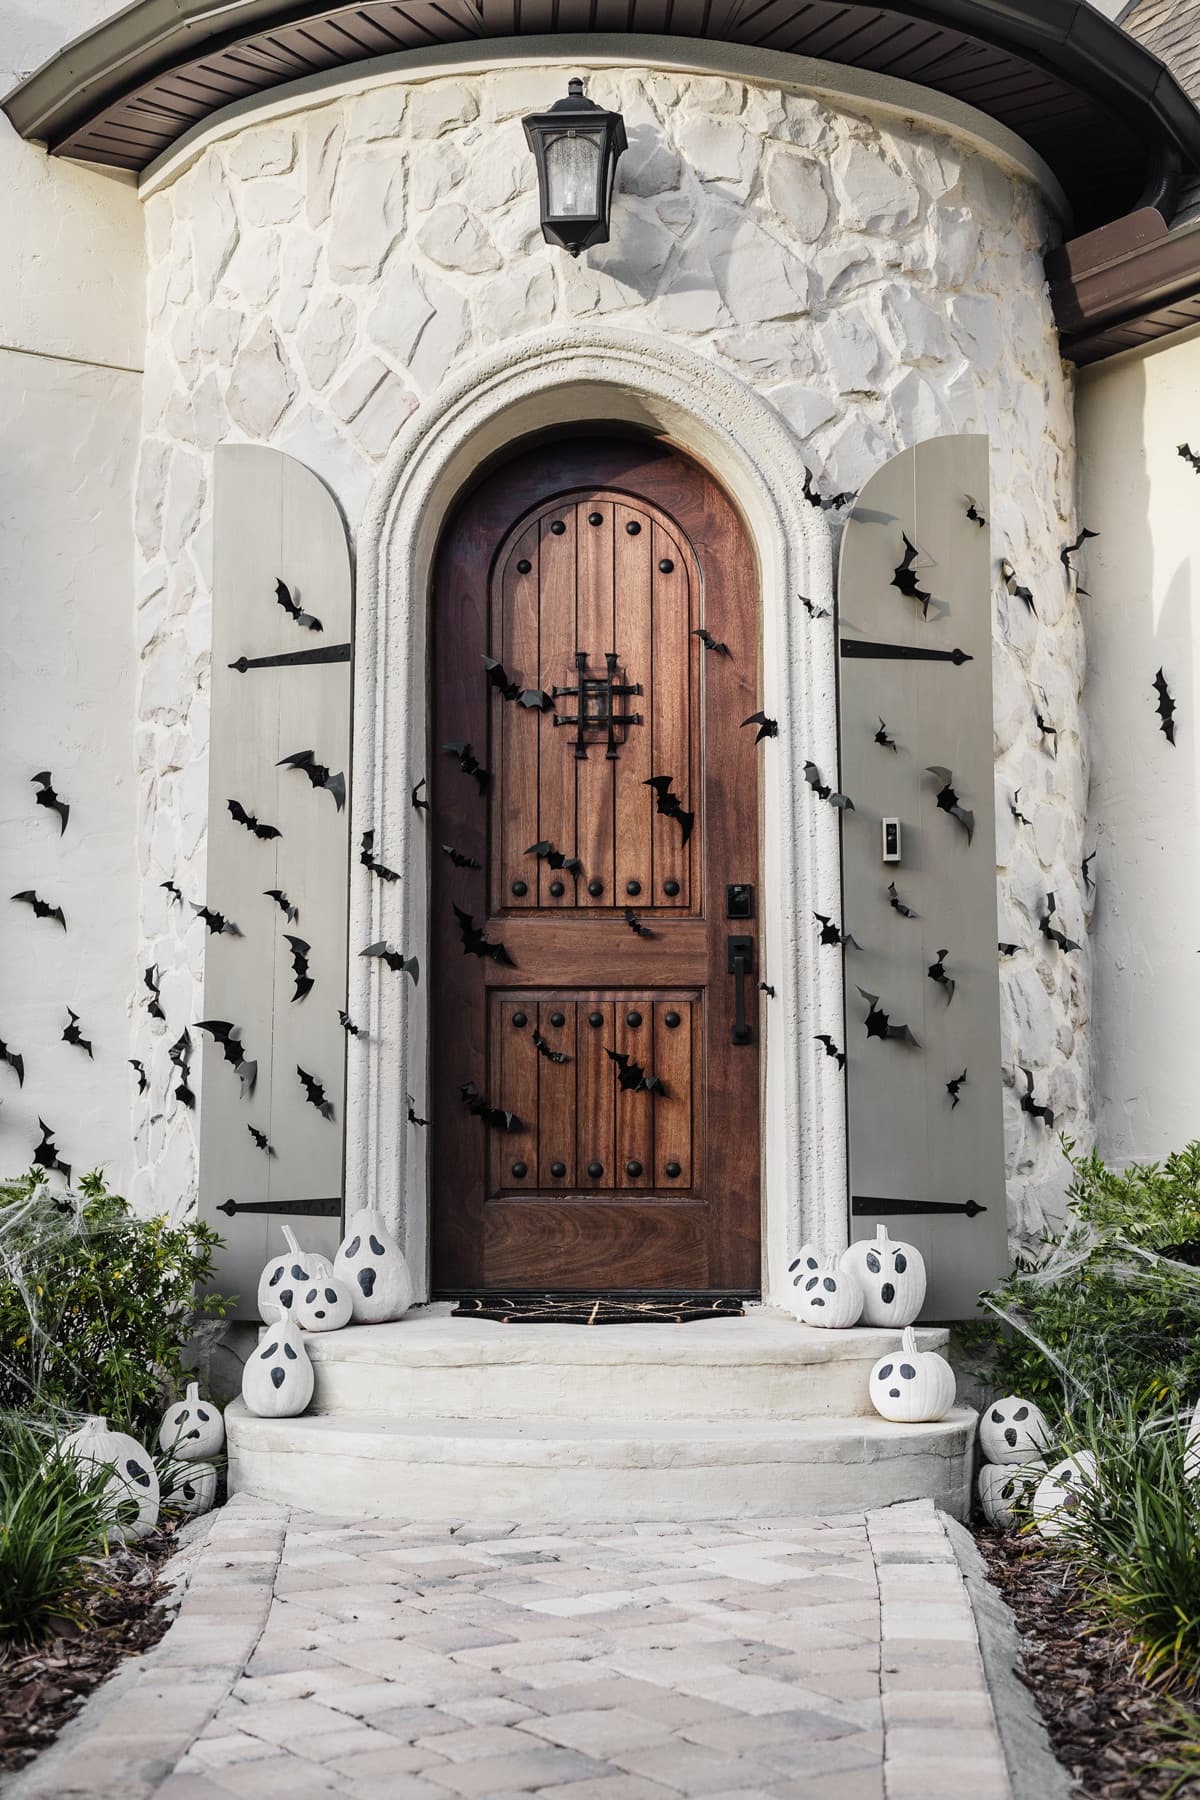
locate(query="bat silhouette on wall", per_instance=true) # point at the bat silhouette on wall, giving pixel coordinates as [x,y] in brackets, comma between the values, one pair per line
[46,1155]
[412,1112]
[884,738]
[1008,949]
[476,943]
[948,801]
[826,504]
[635,924]
[260,1138]
[1046,729]
[954,1088]
[544,1049]
[937,972]
[710,642]
[216,922]
[668,804]
[973,512]
[395,959]
[1190,456]
[905,578]
[1012,807]
[1085,869]
[879,1024]
[314,1093]
[459,860]
[555,859]
[470,764]
[494,1116]
[143,1081]
[240,816]
[833,934]
[304,981]
[347,1024]
[764,987]
[1068,551]
[318,775]
[291,913]
[1014,587]
[812,609]
[366,857]
[1048,930]
[533,699]
[154,1004]
[283,597]
[831,1049]
[48,797]
[897,904]
[229,1037]
[823,791]
[180,1054]
[174,895]
[1165,708]
[421,804]
[632,1077]
[42,909]
[767,728]
[1029,1104]
[15,1061]
[73,1035]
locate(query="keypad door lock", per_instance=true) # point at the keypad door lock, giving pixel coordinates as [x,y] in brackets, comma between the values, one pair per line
[739,900]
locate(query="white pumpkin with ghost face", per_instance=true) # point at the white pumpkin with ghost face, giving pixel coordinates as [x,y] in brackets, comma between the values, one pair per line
[1013,1431]
[1191,1454]
[824,1293]
[371,1261]
[131,1492]
[326,1306]
[190,1488]
[193,1429]
[1004,1492]
[277,1380]
[892,1277]
[287,1276]
[911,1386]
[1056,1496]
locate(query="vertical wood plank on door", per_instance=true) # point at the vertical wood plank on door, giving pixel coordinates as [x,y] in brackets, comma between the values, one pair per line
[513,1060]
[633,801]
[673,1122]
[595,1140]
[635,1119]
[594,774]
[513,752]
[556,767]
[671,667]
[556,1092]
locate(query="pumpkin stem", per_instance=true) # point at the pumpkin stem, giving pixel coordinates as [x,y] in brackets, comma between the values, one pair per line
[289,1238]
[193,1392]
[908,1341]
[881,1234]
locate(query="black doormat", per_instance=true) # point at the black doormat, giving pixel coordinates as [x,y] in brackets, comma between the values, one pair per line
[585,1309]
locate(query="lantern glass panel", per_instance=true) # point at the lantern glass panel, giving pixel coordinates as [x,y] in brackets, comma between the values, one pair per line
[572,175]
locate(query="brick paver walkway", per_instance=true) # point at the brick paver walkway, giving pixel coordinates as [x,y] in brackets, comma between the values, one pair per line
[315,1656]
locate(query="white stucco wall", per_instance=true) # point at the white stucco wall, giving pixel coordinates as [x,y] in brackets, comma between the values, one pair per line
[71,342]
[315,279]
[1143,614]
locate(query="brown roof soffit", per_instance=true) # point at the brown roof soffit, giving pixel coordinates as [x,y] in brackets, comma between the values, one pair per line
[1118,275]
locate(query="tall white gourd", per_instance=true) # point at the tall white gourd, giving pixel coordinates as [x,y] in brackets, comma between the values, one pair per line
[372,1262]
[277,1380]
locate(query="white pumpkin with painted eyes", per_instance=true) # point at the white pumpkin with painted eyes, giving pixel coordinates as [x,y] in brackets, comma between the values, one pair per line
[892,1277]
[1004,1492]
[911,1386]
[825,1294]
[286,1276]
[190,1488]
[372,1263]
[277,1380]
[326,1306]
[193,1429]
[1056,1496]
[131,1491]
[1013,1431]
[1191,1453]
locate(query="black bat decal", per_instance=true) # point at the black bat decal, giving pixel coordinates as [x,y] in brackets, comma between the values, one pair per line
[710,642]
[973,512]
[948,801]
[556,859]
[48,797]
[229,1037]
[904,577]
[412,1112]
[283,595]
[632,1077]
[459,860]
[180,1054]
[395,959]
[491,1115]
[954,1088]
[812,609]
[1190,456]
[544,1049]
[240,816]
[420,804]
[764,987]
[143,1082]
[1014,586]
[314,1093]
[476,943]
[304,981]
[668,804]
[833,934]
[46,1155]
[1085,869]
[533,699]
[1030,1106]
[1048,930]
[15,1061]
[884,738]
[260,1138]
[470,764]
[879,1024]
[216,922]
[347,1024]
[291,913]
[1068,551]
[823,791]
[635,924]
[1008,949]
[366,857]
[73,1035]
[42,909]
[937,972]
[1012,807]
[318,774]
[175,895]
[814,499]
[831,1049]
[154,1004]
[1165,710]
[766,727]
[897,904]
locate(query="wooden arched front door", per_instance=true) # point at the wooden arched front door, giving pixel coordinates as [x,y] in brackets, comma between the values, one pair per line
[595,907]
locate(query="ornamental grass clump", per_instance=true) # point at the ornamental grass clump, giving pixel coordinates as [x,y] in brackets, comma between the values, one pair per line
[52,1530]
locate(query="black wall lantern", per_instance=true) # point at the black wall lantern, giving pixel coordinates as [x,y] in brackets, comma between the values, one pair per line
[576,145]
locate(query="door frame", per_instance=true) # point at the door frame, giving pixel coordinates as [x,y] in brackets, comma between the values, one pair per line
[552,380]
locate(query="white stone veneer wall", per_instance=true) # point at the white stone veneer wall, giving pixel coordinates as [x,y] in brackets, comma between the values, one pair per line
[314,277]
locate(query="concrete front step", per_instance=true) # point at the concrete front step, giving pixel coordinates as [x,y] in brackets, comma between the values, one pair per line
[762,1366]
[586,1469]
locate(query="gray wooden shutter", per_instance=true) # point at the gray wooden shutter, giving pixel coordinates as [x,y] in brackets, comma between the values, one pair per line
[910,1146]
[274,520]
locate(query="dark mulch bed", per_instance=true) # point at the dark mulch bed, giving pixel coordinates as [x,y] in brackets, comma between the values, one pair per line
[1102,1718]
[43,1686]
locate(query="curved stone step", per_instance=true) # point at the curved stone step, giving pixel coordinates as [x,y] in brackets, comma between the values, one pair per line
[558,1470]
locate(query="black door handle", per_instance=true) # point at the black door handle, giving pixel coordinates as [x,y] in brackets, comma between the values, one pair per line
[741,964]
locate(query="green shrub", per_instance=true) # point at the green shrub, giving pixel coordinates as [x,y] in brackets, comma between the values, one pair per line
[96,1304]
[51,1531]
